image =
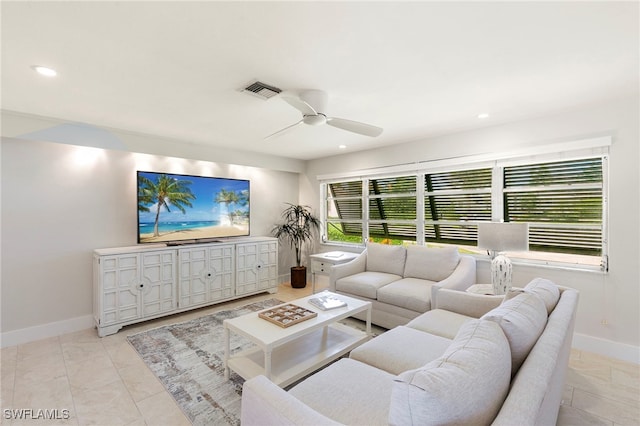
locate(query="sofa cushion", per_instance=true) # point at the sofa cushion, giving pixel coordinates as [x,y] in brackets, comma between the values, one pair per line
[348,392]
[409,293]
[401,349]
[386,258]
[466,385]
[522,319]
[430,263]
[440,322]
[365,284]
[546,290]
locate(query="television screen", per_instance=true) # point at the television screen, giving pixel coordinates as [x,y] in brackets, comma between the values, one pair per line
[176,208]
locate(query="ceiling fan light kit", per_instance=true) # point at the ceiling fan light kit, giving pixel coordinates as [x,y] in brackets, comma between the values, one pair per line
[313,104]
[315,120]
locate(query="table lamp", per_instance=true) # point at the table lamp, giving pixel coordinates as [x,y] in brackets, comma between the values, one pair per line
[499,237]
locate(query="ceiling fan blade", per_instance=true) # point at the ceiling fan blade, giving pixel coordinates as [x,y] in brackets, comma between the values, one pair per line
[300,105]
[283,130]
[355,126]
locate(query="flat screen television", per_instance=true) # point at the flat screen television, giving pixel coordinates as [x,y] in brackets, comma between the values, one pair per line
[177,209]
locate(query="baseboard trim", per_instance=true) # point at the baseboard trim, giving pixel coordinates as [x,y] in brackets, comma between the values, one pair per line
[608,348]
[284,278]
[52,329]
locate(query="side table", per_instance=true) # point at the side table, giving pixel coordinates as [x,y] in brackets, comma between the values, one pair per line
[321,263]
[486,289]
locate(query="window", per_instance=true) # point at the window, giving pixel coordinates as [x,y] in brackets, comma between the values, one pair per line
[453,201]
[563,200]
[344,212]
[392,209]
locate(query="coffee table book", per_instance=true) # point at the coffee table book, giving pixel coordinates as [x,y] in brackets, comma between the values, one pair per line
[327,301]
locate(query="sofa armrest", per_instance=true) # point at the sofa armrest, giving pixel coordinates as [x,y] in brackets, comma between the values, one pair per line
[469,304]
[463,277]
[265,404]
[352,267]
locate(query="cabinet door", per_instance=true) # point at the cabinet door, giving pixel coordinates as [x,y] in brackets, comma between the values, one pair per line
[194,271]
[256,266]
[120,294]
[221,266]
[206,274]
[158,282]
[268,261]
[246,268]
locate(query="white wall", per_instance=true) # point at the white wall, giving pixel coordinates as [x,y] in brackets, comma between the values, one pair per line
[60,202]
[608,318]
[38,128]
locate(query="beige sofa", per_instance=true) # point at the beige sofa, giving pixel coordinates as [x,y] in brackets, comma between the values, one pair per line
[445,367]
[400,281]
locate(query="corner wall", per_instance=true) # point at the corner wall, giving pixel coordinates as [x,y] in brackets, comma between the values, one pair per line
[608,318]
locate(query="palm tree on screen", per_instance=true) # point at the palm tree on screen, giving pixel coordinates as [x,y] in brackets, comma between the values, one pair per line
[145,193]
[227,198]
[165,192]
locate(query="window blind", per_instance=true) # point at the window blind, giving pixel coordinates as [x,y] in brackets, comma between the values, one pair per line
[562,201]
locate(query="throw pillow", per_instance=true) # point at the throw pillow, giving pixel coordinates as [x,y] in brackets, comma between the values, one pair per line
[466,385]
[385,258]
[522,319]
[431,263]
[546,290]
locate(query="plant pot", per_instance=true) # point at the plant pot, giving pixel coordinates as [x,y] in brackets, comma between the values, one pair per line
[298,276]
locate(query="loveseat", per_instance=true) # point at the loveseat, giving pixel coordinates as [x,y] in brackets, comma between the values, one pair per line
[399,281]
[447,366]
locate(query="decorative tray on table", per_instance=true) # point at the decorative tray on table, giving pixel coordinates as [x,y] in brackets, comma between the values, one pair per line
[287,315]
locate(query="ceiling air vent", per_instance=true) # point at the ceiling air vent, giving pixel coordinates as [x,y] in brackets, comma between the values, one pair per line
[262,90]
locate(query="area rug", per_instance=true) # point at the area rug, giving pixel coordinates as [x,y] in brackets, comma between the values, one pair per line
[188,359]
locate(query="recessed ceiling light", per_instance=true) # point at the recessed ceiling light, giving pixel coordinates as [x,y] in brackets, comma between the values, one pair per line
[342,147]
[46,71]
[483,115]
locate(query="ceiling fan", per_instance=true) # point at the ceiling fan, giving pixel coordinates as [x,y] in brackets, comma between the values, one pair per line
[312,104]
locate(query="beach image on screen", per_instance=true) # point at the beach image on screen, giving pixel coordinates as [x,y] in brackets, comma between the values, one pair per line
[175,207]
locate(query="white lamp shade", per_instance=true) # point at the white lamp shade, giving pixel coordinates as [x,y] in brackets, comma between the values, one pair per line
[503,236]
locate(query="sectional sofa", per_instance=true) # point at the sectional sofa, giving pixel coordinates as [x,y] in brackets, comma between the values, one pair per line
[472,359]
[400,281]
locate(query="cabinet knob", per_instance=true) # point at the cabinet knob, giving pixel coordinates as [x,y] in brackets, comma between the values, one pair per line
[141,285]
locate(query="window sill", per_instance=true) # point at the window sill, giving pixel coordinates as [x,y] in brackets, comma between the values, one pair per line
[547,264]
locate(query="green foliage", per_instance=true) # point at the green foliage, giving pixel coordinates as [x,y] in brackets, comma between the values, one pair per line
[335,234]
[298,228]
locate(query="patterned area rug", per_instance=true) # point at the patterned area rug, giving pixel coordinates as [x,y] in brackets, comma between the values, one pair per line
[188,358]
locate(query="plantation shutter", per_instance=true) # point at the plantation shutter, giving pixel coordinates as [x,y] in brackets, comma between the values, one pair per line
[392,207]
[562,201]
[344,205]
[452,199]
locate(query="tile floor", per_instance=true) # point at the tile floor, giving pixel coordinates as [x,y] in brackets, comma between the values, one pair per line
[102,381]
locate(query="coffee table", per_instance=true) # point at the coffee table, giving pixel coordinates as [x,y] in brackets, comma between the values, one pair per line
[285,355]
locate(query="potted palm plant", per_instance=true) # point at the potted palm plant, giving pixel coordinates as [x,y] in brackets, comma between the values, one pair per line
[298,228]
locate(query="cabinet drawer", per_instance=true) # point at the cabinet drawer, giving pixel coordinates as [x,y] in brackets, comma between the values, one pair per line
[319,267]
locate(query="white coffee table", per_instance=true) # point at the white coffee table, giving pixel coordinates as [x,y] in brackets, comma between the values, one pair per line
[285,355]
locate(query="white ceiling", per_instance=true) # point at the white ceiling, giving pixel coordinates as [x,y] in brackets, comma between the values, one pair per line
[417,69]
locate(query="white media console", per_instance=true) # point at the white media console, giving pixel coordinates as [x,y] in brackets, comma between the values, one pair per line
[139,283]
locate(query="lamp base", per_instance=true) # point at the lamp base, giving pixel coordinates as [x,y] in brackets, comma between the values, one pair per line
[501,272]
